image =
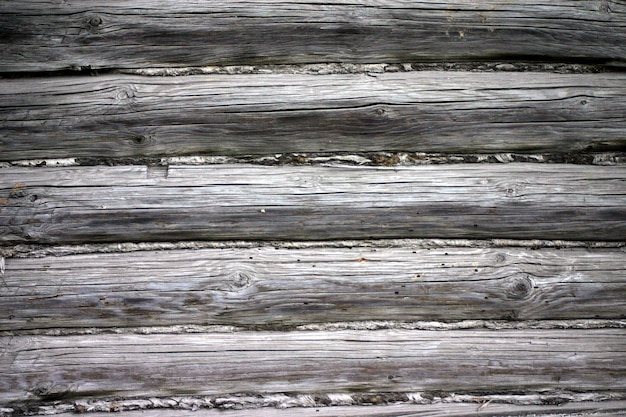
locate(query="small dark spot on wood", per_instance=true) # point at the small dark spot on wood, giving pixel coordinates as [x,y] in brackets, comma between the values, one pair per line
[33,198]
[396,293]
[139,139]
[583,102]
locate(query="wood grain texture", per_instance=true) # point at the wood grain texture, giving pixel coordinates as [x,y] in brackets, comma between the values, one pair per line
[48,367]
[597,409]
[135,116]
[51,35]
[290,287]
[251,202]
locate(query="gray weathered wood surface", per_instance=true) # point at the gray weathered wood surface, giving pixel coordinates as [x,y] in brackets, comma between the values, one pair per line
[134,116]
[222,202]
[130,365]
[484,409]
[51,35]
[269,286]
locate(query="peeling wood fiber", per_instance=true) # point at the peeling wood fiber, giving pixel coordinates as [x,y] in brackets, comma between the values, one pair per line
[231,202]
[51,35]
[480,406]
[119,115]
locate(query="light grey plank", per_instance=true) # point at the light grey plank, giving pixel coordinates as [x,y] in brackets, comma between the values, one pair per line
[134,116]
[250,202]
[50,35]
[130,365]
[277,287]
[601,409]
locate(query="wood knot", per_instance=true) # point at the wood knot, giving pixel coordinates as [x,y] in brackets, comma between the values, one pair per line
[126,94]
[238,282]
[94,21]
[49,391]
[519,289]
[140,141]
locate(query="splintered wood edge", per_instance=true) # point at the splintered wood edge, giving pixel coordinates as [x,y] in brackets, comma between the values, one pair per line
[343,404]
[39,251]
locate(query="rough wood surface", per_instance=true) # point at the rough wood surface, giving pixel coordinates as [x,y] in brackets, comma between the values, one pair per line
[49,367]
[221,202]
[291,287]
[483,409]
[134,116]
[51,35]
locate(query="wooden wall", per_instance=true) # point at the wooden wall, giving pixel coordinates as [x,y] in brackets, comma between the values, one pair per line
[390,208]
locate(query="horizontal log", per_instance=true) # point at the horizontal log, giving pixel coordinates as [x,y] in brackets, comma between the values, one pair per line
[138,116]
[288,287]
[130,365]
[251,202]
[50,35]
[484,408]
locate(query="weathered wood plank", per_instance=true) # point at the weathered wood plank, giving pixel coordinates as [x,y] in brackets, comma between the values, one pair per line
[48,367]
[135,116]
[50,35]
[491,409]
[251,202]
[285,287]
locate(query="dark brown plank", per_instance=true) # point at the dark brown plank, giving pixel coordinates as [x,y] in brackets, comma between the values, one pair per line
[131,365]
[239,202]
[138,116]
[280,287]
[51,35]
